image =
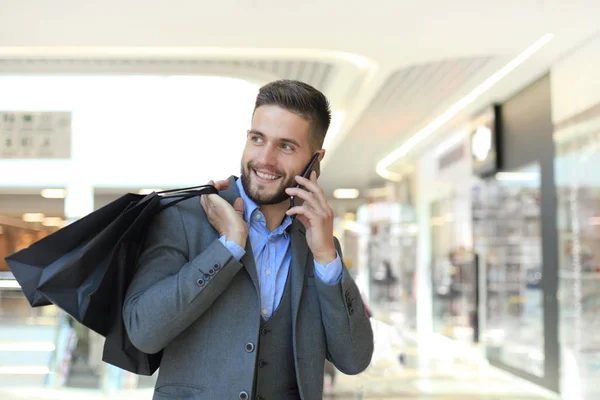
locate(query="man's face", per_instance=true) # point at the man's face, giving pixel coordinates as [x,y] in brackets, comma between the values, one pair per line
[277,149]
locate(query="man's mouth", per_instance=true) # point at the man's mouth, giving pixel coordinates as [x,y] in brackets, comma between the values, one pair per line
[266,176]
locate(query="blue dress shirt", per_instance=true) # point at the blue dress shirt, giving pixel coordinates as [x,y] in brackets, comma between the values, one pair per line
[273,255]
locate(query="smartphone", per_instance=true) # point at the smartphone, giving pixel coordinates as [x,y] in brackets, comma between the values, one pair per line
[306,174]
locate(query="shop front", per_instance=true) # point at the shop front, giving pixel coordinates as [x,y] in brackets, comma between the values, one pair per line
[575,83]
[445,198]
[514,235]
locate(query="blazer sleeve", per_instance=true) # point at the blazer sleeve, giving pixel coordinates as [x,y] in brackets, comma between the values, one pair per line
[348,330]
[168,291]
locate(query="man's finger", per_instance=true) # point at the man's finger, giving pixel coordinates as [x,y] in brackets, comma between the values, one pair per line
[309,213]
[304,195]
[220,185]
[238,206]
[203,203]
[313,190]
[319,194]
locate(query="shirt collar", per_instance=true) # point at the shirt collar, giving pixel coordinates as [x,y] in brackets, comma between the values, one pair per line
[250,207]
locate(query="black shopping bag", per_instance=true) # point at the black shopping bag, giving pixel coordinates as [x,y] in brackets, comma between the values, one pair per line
[85,269]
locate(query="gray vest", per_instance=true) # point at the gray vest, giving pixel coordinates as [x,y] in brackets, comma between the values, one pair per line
[275,368]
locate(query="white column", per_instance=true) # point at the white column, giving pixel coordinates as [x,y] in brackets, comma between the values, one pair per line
[79,201]
[424,189]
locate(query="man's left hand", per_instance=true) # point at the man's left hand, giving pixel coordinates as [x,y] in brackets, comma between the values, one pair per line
[317,217]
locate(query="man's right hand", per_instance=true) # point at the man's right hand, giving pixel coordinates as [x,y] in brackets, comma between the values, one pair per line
[226,220]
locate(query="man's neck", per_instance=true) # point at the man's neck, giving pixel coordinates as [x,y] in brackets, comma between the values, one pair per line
[274,214]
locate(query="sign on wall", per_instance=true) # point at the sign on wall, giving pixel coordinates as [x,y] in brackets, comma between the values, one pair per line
[35,135]
[486,144]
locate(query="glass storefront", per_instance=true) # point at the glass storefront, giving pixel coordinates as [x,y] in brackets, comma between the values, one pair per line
[507,236]
[454,275]
[578,196]
[55,349]
[390,254]
[31,329]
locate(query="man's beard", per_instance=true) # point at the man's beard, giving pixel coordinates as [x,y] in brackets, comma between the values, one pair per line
[263,199]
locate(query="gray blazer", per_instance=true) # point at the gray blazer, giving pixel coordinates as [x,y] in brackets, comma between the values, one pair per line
[203,326]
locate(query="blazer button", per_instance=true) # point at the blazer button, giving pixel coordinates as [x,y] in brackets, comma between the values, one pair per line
[264,331]
[243,395]
[259,397]
[200,282]
[217,266]
[262,363]
[350,311]
[249,347]
[211,271]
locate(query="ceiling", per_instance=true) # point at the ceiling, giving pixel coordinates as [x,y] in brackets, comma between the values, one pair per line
[389,68]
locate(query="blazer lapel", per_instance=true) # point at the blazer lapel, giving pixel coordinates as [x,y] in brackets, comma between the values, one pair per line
[250,265]
[298,265]
[232,192]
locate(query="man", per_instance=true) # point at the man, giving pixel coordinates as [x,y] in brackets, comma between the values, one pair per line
[245,296]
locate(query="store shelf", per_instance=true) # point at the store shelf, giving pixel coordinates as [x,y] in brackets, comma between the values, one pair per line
[584,276]
[584,236]
[507,230]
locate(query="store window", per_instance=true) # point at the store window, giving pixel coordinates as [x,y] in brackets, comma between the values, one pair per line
[454,273]
[507,236]
[389,252]
[14,307]
[578,204]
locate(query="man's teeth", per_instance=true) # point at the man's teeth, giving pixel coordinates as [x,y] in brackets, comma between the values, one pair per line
[265,176]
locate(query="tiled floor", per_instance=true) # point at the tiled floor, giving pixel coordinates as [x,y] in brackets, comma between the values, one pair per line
[431,371]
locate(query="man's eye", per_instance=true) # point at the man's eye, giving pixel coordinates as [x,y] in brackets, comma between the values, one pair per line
[287,147]
[256,139]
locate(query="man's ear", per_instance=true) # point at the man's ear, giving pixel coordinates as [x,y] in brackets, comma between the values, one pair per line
[321,154]
[317,167]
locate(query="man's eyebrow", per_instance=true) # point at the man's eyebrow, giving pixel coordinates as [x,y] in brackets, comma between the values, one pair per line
[292,141]
[284,140]
[255,132]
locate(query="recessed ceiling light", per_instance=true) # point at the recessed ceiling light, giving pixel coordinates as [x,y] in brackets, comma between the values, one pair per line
[346,193]
[33,217]
[418,137]
[53,221]
[54,193]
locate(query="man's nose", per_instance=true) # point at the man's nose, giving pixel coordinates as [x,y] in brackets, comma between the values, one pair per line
[268,156]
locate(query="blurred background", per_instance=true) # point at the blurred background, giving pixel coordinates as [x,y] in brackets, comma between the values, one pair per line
[463,164]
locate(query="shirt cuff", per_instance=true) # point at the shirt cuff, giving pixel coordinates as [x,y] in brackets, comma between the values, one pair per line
[234,248]
[330,274]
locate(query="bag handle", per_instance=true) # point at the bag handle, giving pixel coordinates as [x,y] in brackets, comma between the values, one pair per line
[187,189]
[186,193]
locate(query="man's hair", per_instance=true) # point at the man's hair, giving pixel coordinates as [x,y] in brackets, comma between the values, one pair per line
[301,99]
